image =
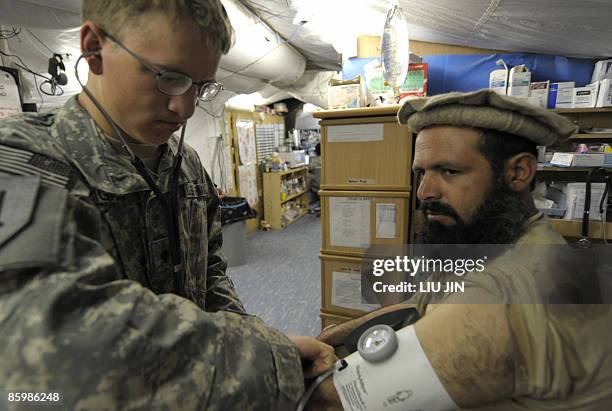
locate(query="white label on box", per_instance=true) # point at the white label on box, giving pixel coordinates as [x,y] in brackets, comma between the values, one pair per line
[346,291]
[386,217]
[355,133]
[586,97]
[356,180]
[349,221]
[562,159]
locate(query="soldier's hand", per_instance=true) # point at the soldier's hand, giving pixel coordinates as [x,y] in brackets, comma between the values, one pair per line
[319,356]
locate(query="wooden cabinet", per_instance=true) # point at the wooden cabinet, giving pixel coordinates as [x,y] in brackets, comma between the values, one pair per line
[366,197]
[366,153]
[285,196]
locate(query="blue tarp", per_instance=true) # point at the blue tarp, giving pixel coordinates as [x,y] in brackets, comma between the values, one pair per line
[471,71]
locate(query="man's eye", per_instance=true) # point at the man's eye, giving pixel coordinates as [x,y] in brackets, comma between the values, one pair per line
[450,172]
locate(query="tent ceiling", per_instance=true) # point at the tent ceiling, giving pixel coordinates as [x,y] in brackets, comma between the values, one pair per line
[574,28]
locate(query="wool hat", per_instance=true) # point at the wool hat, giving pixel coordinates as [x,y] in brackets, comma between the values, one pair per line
[487,110]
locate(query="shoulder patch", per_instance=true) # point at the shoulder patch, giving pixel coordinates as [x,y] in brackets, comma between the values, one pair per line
[25,163]
[17,201]
[33,219]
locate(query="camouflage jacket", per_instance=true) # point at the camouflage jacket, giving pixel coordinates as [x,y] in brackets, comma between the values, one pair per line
[87,299]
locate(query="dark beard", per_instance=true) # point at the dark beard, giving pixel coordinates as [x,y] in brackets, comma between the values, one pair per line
[499,220]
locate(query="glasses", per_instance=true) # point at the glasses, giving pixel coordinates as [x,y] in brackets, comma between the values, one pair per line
[173,83]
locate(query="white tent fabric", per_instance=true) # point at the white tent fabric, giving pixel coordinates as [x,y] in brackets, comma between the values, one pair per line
[573,28]
[258,57]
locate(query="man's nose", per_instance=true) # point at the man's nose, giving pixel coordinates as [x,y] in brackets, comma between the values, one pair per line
[183,105]
[429,188]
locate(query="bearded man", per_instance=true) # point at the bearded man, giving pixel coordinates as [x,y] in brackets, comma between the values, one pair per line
[475,156]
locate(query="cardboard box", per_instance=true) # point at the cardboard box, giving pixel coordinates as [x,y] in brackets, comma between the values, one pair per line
[538,93]
[375,84]
[416,81]
[343,94]
[602,70]
[519,82]
[585,97]
[588,160]
[604,97]
[561,95]
[498,81]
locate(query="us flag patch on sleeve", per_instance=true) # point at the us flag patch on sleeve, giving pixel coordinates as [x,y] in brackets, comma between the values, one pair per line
[25,163]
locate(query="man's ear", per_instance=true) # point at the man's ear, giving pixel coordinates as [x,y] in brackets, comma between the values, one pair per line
[92,40]
[520,170]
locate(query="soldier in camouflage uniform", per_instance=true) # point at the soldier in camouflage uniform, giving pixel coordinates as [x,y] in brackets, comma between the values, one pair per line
[89,303]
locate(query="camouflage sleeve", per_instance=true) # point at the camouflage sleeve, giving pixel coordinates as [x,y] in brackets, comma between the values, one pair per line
[70,324]
[220,291]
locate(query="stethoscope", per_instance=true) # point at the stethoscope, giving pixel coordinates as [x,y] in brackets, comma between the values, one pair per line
[169,201]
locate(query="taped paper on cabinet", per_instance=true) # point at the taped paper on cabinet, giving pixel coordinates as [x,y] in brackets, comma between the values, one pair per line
[349,221]
[346,291]
[386,217]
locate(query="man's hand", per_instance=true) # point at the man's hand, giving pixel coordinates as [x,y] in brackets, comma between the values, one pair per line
[325,398]
[319,354]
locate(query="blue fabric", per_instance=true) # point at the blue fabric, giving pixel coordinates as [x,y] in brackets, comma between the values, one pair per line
[471,71]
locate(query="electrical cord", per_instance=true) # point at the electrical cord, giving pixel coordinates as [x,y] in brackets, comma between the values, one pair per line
[55,89]
[602,211]
[34,75]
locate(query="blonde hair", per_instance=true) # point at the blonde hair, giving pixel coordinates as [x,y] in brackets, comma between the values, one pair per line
[209,15]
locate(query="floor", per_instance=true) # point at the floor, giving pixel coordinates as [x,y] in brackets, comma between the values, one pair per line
[281,281]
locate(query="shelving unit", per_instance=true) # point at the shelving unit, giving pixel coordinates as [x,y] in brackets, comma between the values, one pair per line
[585,118]
[282,208]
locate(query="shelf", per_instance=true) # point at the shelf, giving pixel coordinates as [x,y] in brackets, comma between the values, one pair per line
[290,171]
[302,214]
[568,169]
[291,197]
[573,228]
[592,136]
[583,110]
[389,110]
